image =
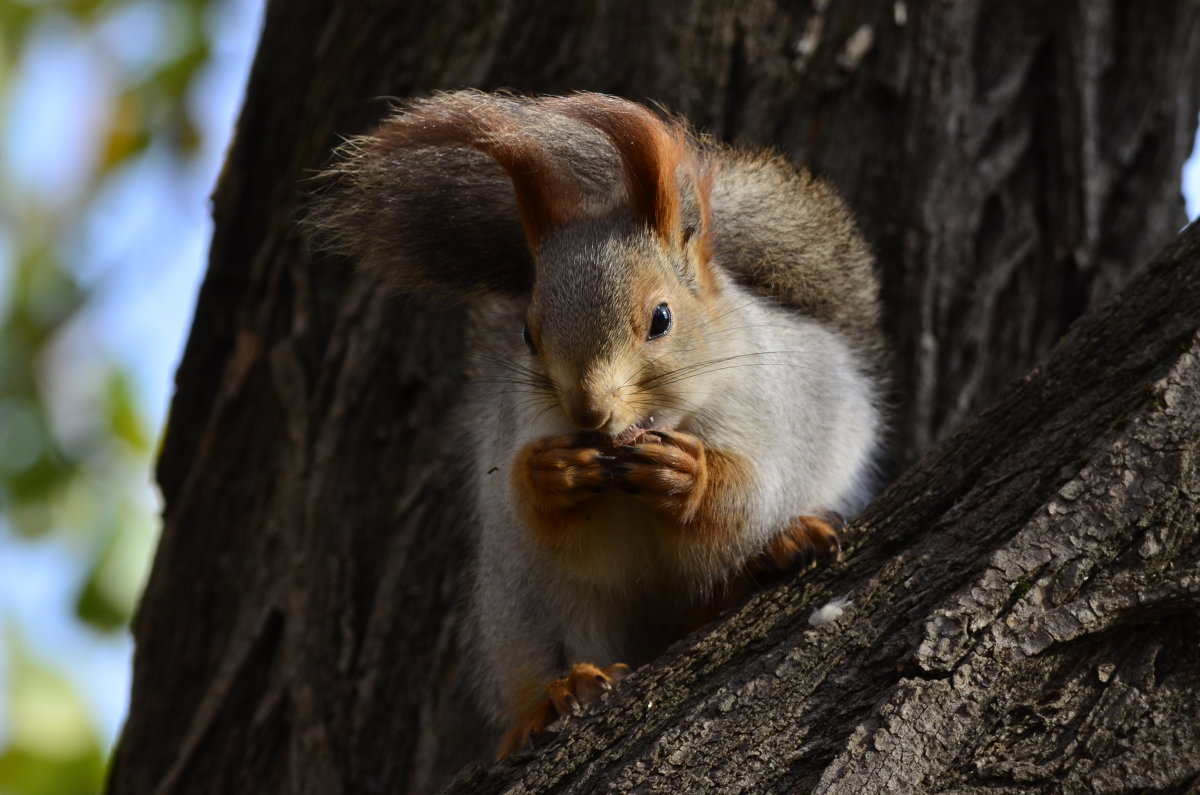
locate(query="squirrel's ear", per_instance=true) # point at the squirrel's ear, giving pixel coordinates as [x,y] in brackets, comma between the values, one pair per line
[451,196]
[697,222]
[668,187]
[654,155]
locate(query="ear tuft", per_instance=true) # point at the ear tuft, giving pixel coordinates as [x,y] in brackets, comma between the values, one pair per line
[651,152]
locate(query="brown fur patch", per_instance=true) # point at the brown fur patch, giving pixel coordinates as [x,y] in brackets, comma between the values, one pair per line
[713,519]
[522,688]
[806,539]
[534,721]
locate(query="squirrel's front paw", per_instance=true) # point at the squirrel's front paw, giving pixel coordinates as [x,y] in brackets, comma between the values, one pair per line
[559,472]
[666,469]
[564,697]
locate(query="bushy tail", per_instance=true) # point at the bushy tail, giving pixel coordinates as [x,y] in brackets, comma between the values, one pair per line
[788,235]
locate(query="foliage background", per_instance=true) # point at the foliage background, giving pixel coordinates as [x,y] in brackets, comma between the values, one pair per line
[114,115]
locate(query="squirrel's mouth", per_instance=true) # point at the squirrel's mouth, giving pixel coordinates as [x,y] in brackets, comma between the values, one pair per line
[630,434]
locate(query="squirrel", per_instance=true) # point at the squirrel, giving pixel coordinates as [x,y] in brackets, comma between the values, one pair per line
[677,368]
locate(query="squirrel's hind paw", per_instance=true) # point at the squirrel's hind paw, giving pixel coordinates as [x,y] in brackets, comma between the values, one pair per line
[807,539]
[564,697]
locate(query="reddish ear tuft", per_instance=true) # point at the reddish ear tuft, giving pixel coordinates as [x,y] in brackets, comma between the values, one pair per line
[650,150]
[546,197]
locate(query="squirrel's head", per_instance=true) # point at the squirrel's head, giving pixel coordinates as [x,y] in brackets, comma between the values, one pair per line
[623,296]
[613,318]
[611,250]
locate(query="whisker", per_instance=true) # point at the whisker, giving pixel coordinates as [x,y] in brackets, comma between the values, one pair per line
[674,351]
[512,381]
[538,416]
[512,367]
[532,398]
[750,364]
[707,366]
[669,401]
[703,326]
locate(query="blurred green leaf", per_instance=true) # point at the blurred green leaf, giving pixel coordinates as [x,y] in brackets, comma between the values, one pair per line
[174,77]
[118,572]
[53,747]
[45,296]
[123,413]
[41,480]
[97,608]
[73,462]
[23,435]
[127,133]
[84,9]
[28,773]
[15,19]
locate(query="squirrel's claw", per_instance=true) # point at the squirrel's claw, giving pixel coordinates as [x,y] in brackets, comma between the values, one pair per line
[564,697]
[805,540]
[557,472]
[665,469]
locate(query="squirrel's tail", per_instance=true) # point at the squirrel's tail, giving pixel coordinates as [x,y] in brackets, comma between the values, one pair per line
[788,235]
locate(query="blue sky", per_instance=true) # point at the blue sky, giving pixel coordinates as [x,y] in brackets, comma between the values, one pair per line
[145,246]
[1191,181]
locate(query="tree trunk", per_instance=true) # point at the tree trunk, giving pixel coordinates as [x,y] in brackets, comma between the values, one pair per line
[1023,612]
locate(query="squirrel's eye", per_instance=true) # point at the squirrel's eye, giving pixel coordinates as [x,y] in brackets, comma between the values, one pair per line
[660,322]
[525,335]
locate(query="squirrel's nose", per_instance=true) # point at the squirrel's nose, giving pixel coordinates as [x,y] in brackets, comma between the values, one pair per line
[586,412]
[588,418]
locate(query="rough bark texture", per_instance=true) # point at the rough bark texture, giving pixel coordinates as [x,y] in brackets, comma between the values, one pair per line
[1012,164]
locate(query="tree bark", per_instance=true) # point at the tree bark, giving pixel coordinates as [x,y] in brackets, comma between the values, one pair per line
[1011,163]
